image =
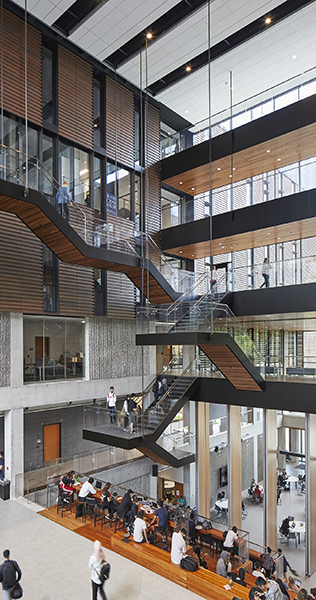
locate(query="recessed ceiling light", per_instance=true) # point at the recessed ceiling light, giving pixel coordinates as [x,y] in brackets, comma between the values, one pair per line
[230,176]
[192,189]
[188,68]
[180,251]
[268,233]
[180,182]
[268,151]
[231,247]
[95,125]
[234,168]
[149,35]
[279,159]
[223,246]
[294,56]
[186,112]
[192,254]
[218,168]
[268,21]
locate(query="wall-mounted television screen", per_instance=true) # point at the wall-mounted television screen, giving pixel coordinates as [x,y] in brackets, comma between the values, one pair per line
[223,476]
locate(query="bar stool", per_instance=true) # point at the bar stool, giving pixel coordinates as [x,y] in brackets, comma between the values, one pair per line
[80,507]
[63,503]
[89,508]
[119,523]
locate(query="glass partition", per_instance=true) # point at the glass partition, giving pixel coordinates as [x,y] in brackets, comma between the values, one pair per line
[53,348]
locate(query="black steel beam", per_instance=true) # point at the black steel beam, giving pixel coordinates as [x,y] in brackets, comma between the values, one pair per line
[278,14]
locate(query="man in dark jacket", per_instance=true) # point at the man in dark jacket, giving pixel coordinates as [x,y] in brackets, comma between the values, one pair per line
[10,573]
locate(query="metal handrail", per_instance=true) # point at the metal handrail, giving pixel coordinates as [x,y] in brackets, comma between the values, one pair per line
[175,383]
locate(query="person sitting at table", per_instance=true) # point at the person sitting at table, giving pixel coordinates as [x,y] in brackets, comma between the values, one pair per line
[68,481]
[270,588]
[312,594]
[201,556]
[221,565]
[240,578]
[140,529]
[285,526]
[257,572]
[283,589]
[178,545]
[107,502]
[160,518]
[220,496]
[229,541]
[257,494]
[181,502]
[87,488]
[132,514]
[292,585]
[125,505]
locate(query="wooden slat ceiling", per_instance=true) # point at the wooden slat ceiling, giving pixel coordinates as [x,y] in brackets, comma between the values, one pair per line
[285,232]
[228,364]
[289,148]
[66,251]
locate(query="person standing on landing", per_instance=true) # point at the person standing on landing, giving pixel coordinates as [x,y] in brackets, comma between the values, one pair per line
[111,402]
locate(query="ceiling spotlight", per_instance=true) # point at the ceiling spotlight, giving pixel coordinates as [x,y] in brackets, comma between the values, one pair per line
[149,35]
[192,189]
[268,151]
[188,68]
[181,182]
[218,168]
[180,251]
[234,168]
[192,254]
[186,112]
[294,56]
[279,159]
[268,21]
[230,176]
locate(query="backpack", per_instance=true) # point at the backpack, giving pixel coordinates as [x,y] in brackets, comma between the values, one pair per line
[8,573]
[189,563]
[105,572]
[155,388]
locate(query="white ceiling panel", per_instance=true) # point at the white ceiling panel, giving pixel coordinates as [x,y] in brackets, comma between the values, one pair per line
[46,10]
[257,65]
[190,37]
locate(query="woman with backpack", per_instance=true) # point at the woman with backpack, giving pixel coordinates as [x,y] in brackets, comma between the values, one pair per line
[100,571]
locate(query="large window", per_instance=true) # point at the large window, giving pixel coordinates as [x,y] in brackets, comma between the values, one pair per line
[74,169]
[50,280]
[48,156]
[48,107]
[118,191]
[53,348]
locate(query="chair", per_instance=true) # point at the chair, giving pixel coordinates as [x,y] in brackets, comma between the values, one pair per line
[292,536]
[99,515]
[164,538]
[63,502]
[291,518]
[80,507]
[119,523]
[88,509]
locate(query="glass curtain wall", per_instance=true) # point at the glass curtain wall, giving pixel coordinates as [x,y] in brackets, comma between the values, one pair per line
[53,348]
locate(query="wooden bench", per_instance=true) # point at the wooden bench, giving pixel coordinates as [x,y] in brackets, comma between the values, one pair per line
[205,583]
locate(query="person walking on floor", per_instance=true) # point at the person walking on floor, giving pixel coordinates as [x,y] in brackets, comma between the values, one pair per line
[265,273]
[96,563]
[10,574]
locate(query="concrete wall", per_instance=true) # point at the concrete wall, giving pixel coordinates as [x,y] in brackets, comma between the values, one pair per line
[260,457]
[5,349]
[113,352]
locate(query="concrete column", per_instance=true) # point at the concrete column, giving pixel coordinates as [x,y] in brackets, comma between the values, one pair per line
[281,446]
[234,466]
[270,477]
[203,458]
[87,349]
[310,505]
[153,486]
[188,355]
[13,446]
[16,357]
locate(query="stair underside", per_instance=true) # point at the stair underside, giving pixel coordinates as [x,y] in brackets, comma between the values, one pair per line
[228,364]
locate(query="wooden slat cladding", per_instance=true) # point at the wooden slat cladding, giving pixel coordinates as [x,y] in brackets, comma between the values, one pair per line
[119,123]
[14,71]
[21,270]
[75,98]
[76,290]
[120,296]
[152,156]
[231,367]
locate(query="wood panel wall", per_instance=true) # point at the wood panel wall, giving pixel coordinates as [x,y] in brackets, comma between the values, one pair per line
[120,123]
[21,270]
[152,158]
[75,98]
[120,289]
[14,71]
[76,290]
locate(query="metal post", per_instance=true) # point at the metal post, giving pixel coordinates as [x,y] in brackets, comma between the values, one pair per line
[1,68]
[25,70]
[210,151]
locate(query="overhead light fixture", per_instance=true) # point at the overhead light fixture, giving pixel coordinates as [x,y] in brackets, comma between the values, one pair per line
[230,176]
[192,189]
[181,182]
[268,151]
[188,68]
[268,21]
[186,112]
[218,168]
[234,168]
[95,125]
[149,35]
[279,159]
[192,254]
[180,251]
[294,56]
